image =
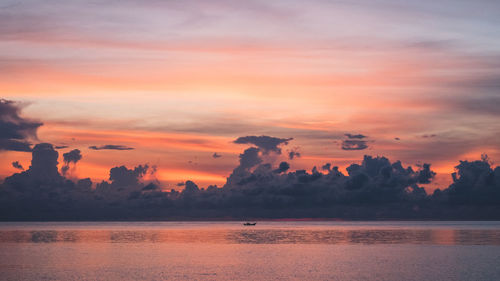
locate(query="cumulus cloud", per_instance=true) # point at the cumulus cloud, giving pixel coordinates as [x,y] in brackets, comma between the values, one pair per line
[17,165]
[354,145]
[110,147]
[375,181]
[70,157]
[375,187]
[249,158]
[73,156]
[283,167]
[43,168]
[15,131]
[474,182]
[265,143]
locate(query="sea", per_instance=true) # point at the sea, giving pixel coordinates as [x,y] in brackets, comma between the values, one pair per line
[270,250]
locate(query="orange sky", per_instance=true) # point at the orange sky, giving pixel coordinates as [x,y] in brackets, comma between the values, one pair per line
[180,81]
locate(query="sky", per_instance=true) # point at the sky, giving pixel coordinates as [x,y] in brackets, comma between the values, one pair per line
[170,83]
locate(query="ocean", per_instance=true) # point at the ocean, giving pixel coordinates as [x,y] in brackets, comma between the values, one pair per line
[270,250]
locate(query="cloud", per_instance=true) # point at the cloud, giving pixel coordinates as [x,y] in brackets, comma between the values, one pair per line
[354,145]
[377,187]
[122,176]
[375,181]
[43,168]
[358,136]
[17,165]
[249,158]
[266,143]
[151,186]
[60,146]
[215,155]
[190,187]
[110,147]
[70,157]
[326,167]
[283,167]
[474,183]
[293,154]
[73,156]
[15,131]
[125,184]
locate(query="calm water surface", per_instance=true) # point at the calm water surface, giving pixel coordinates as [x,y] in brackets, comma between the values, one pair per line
[267,251]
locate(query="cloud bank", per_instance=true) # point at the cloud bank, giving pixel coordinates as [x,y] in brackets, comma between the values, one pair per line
[374,188]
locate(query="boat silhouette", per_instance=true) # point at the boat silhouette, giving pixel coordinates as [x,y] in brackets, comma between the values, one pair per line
[249,223]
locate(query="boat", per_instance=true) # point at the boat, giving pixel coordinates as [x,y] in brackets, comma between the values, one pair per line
[249,223]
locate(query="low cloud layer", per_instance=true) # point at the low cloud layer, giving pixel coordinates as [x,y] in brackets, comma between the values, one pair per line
[374,188]
[16,132]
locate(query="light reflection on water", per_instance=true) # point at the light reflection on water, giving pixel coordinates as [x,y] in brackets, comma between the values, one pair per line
[387,251]
[266,233]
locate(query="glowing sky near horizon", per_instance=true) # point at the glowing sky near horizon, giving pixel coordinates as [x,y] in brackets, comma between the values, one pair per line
[180,80]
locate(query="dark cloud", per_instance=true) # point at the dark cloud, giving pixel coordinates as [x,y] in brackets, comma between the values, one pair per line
[326,167]
[190,187]
[215,155]
[354,145]
[293,154]
[352,136]
[73,156]
[375,188]
[249,158]
[43,168]
[151,186]
[283,167]
[375,181]
[110,147]
[126,184]
[17,165]
[475,182]
[121,176]
[15,131]
[60,146]
[70,157]
[266,143]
